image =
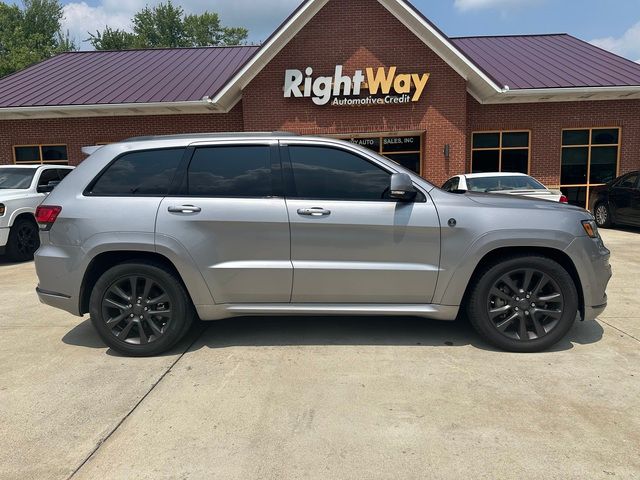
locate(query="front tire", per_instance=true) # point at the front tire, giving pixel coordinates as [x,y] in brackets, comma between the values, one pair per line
[24,240]
[602,214]
[140,309]
[523,303]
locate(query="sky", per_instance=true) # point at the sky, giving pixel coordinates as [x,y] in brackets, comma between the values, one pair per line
[612,24]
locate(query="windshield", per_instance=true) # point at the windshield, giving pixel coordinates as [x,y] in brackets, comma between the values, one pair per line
[498,184]
[16,178]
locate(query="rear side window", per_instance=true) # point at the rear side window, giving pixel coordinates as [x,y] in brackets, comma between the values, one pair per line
[148,172]
[333,174]
[238,171]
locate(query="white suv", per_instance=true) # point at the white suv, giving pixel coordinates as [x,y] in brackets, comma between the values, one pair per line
[22,189]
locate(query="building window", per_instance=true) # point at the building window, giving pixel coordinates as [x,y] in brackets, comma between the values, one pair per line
[500,152]
[404,150]
[590,157]
[38,154]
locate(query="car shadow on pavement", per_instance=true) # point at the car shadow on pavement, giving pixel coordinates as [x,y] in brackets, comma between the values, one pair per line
[308,331]
[4,261]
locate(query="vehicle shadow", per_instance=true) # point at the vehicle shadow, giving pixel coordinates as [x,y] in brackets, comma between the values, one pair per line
[307,331]
[5,262]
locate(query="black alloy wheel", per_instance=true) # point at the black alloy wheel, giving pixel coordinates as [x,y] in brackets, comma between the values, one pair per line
[24,240]
[523,303]
[137,310]
[140,308]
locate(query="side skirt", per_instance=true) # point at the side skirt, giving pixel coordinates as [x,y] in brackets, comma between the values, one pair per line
[218,312]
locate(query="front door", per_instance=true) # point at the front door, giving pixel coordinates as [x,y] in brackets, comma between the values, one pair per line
[349,242]
[233,223]
[622,197]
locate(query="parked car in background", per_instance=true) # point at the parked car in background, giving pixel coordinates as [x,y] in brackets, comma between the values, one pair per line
[501,182]
[22,188]
[617,202]
[153,231]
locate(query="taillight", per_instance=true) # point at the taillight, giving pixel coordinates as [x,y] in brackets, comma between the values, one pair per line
[46,215]
[564,199]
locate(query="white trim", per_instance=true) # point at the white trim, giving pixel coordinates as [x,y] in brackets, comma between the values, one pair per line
[571,94]
[121,109]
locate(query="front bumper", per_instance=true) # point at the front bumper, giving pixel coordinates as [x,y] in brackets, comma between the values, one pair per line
[591,259]
[4,236]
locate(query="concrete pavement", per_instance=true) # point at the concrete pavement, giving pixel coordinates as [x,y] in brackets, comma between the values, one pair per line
[320,398]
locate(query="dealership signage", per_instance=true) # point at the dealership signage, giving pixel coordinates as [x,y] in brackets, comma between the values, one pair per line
[385,86]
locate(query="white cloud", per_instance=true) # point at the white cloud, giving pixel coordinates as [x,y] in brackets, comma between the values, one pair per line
[261,18]
[467,5]
[628,45]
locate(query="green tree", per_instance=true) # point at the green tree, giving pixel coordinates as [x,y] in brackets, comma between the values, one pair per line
[30,34]
[166,25]
[112,39]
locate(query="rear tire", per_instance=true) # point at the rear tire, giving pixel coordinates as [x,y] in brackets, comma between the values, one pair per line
[24,240]
[523,303]
[140,309]
[602,214]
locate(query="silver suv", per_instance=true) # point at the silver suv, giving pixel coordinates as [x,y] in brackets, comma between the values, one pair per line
[148,233]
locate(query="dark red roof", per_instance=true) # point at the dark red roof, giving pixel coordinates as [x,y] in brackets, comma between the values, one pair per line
[189,74]
[547,61]
[130,76]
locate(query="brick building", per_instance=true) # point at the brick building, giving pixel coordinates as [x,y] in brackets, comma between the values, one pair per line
[373,71]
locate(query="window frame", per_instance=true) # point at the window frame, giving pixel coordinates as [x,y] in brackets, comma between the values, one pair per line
[172,184]
[181,181]
[589,148]
[500,148]
[41,161]
[289,179]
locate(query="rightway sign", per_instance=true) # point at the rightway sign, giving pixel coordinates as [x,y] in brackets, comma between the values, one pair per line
[385,87]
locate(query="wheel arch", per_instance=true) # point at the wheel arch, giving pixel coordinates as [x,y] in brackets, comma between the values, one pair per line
[104,261]
[494,256]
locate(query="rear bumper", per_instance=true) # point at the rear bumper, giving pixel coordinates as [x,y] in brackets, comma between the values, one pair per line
[57,300]
[59,276]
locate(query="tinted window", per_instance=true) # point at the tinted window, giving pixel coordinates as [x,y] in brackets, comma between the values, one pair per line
[63,173]
[237,171]
[329,173]
[628,182]
[140,173]
[50,175]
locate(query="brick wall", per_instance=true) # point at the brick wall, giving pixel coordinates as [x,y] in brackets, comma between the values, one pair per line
[546,121]
[80,132]
[359,34]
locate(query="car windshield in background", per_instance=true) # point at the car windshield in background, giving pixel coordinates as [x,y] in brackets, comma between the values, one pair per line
[19,178]
[499,184]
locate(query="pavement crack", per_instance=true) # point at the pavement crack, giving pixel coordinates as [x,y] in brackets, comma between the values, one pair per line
[620,330]
[103,440]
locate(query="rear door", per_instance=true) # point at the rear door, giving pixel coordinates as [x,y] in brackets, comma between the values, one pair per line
[231,217]
[349,242]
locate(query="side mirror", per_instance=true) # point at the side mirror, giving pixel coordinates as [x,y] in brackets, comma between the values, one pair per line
[48,188]
[402,188]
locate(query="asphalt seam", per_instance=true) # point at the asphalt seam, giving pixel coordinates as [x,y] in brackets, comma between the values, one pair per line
[621,331]
[142,399]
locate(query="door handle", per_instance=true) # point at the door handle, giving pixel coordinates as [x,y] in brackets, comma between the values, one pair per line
[185,209]
[314,212]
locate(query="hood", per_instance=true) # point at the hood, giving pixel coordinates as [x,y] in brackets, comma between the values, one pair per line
[13,193]
[515,201]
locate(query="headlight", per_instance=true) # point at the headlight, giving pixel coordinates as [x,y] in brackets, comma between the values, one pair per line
[591,228]
[2,209]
